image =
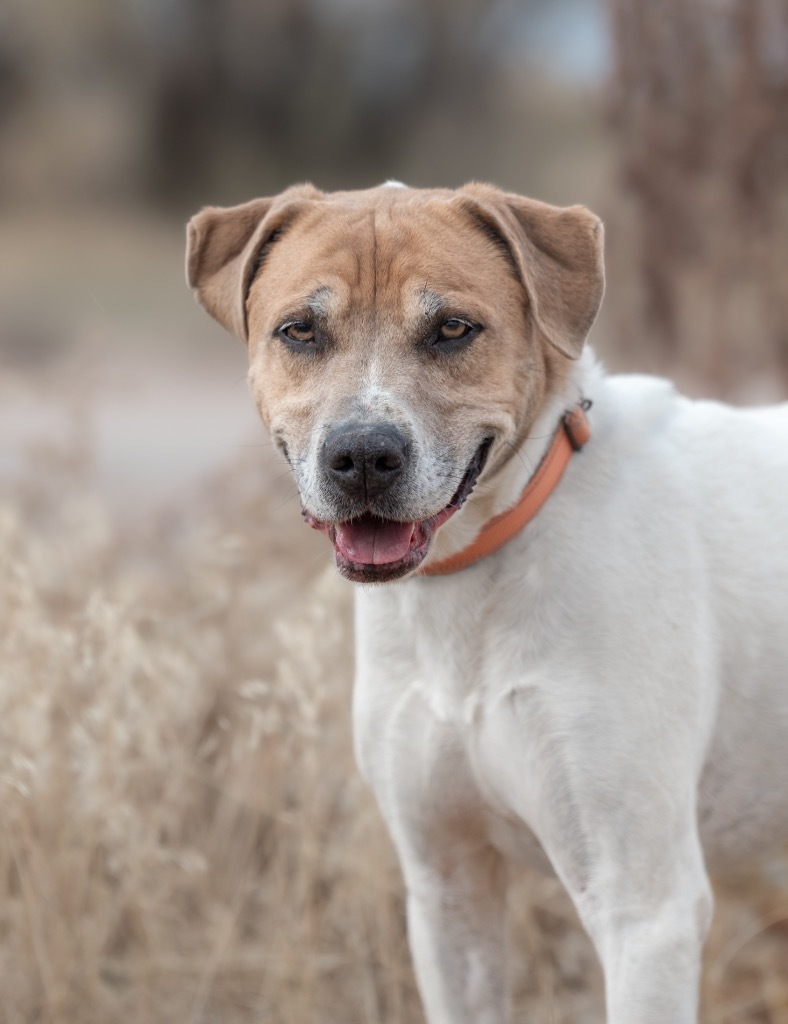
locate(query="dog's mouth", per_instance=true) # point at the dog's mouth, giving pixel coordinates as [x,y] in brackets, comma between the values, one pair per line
[371,549]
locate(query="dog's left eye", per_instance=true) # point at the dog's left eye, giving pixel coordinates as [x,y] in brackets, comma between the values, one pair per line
[454,329]
[299,332]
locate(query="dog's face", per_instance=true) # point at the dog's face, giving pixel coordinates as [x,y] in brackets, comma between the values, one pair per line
[400,341]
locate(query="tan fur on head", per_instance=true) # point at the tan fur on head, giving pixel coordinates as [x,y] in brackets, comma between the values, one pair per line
[556,251]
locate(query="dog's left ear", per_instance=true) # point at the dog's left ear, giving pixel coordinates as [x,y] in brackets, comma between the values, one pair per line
[558,255]
[224,246]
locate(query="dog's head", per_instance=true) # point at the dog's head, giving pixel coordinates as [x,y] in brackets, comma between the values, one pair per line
[400,341]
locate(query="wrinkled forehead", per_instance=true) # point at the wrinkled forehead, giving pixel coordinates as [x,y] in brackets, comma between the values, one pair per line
[404,257]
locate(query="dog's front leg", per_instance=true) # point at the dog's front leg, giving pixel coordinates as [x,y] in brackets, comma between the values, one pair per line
[644,897]
[416,761]
[456,925]
[455,880]
[615,812]
[646,902]
[651,958]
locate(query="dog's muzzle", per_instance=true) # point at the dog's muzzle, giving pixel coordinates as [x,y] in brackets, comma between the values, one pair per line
[371,546]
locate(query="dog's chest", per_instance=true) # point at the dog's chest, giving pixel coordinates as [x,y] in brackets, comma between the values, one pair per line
[431,676]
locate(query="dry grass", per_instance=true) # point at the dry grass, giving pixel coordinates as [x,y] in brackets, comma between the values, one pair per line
[184,837]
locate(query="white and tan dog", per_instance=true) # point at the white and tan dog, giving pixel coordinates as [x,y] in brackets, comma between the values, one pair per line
[605,693]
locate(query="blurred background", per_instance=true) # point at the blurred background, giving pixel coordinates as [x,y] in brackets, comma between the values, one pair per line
[184,836]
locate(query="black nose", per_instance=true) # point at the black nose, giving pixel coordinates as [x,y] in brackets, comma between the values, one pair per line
[365,460]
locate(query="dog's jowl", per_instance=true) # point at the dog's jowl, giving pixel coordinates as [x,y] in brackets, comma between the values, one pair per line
[571,640]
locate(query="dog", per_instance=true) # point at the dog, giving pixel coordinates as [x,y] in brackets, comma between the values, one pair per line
[571,624]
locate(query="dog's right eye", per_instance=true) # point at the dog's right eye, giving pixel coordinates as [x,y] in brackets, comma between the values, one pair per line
[298,332]
[454,330]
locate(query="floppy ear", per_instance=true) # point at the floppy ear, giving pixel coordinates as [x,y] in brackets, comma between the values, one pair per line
[223,249]
[557,253]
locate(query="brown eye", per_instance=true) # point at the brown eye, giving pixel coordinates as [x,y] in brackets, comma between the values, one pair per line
[453,330]
[299,331]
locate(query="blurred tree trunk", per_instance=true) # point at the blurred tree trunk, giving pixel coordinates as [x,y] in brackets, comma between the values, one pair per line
[700,108]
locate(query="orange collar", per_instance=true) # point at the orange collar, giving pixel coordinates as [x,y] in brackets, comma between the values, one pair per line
[573,432]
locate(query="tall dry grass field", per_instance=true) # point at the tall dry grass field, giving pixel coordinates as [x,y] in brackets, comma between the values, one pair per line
[183,835]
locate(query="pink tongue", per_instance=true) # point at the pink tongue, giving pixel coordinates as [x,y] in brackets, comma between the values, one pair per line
[373,541]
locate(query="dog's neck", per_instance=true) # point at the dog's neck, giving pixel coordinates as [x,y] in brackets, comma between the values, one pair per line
[502,490]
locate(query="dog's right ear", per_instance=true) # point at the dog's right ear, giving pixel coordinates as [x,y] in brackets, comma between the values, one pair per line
[224,246]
